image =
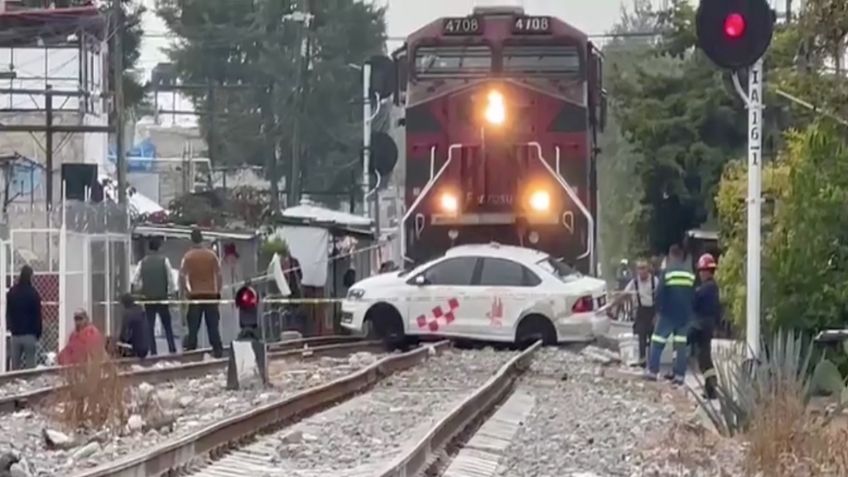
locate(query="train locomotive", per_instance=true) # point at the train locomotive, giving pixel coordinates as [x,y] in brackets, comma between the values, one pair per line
[502,116]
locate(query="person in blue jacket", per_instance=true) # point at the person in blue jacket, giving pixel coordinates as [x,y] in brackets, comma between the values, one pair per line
[707,307]
[674,305]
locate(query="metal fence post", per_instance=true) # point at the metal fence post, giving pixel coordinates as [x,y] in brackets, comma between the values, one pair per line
[3,275]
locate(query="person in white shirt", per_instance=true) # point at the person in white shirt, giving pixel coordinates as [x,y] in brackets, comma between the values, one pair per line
[642,289]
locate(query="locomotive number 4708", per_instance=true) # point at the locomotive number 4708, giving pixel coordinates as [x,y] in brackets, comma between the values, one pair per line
[525,24]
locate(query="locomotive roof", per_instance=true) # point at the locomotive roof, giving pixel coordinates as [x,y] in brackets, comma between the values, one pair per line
[498,26]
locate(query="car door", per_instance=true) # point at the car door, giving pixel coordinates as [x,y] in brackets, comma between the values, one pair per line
[505,289]
[440,303]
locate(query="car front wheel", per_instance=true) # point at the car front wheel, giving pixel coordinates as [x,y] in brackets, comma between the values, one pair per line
[383,322]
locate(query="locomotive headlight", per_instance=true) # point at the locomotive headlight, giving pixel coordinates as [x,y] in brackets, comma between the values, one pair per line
[495,108]
[449,203]
[540,201]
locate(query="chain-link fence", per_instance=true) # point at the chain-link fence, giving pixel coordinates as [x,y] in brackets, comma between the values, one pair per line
[79,254]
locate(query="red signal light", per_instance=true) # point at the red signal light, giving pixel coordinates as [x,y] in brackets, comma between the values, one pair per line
[247,298]
[734,26]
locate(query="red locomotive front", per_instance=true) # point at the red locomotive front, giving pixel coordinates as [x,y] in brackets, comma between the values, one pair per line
[502,115]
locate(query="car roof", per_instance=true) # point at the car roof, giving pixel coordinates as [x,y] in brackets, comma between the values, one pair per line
[520,254]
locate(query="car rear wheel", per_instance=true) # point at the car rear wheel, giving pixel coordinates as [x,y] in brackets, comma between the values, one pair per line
[383,322]
[535,328]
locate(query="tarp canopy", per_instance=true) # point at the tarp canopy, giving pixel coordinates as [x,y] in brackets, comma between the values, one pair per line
[308,211]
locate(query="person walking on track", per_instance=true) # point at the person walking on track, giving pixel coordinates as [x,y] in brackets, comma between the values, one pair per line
[643,286]
[23,319]
[707,307]
[155,278]
[200,279]
[674,300]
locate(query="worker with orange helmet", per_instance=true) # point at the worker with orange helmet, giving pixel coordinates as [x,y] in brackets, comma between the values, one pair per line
[707,308]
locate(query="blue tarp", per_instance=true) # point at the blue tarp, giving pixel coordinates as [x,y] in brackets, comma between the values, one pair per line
[140,158]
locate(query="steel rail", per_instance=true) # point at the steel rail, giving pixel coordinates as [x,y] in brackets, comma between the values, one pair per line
[171,457]
[419,458]
[28,399]
[185,357]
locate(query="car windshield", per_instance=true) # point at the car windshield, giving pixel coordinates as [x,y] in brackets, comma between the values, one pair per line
[559,269]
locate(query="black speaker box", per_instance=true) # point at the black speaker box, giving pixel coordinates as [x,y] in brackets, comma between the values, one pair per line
[79,177]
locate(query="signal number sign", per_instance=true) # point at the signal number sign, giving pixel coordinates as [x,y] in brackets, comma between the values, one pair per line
[462,26]
[531,25]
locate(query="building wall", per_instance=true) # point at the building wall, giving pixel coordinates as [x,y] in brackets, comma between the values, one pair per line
[64,69]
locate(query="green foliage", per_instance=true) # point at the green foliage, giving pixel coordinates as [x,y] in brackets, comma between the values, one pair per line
[783,369]
[275,245]
[250,55]
[731,206]
[685,123]
[619,194]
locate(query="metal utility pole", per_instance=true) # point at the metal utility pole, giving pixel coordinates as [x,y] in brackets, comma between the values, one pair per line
[48,145]
[755,119]
[366,136]
[118,103]
[293,186]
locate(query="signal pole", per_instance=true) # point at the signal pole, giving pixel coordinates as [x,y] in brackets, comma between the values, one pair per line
[118,104]
[366,136]
[754,249]
[735,34]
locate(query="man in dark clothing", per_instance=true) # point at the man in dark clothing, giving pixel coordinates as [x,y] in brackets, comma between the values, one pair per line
[134,330]
[155,276]
[23,320]
[200,278]
[707,307]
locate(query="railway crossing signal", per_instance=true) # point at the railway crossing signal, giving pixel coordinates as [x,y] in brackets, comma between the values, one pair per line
[734,33]
[247,302]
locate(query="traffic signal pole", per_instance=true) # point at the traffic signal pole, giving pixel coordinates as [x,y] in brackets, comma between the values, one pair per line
[755,170]
[736,34]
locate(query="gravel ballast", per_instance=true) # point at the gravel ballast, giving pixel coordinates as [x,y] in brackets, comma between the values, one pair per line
[20,386]
[583,423]
[190,405]
[362,435]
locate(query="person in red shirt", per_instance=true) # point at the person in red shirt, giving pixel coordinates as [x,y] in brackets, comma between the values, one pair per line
[85,341]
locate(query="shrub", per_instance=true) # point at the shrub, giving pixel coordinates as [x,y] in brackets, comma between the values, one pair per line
[92,397]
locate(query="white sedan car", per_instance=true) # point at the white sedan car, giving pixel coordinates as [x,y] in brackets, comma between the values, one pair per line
[483,292]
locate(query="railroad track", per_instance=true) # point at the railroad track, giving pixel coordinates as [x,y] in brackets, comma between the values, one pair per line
[245,446]
[195,366]
[186,357]
[178,456]
[434,451]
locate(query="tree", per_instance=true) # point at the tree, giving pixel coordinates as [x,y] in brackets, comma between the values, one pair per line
[250,58]
[803,257]
[686,123]
[619,194]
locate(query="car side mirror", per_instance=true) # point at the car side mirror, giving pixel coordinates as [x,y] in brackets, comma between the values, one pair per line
[420,280]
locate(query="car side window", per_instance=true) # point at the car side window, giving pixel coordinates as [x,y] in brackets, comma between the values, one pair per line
[455,271]
[506,273]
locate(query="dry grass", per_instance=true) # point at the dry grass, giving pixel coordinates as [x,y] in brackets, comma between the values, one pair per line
[787,440]
[93,396]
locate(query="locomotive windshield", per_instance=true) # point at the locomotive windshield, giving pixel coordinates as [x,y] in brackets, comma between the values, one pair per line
[527,59]
[433,61]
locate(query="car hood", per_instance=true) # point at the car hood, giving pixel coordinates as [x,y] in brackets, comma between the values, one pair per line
[382,279]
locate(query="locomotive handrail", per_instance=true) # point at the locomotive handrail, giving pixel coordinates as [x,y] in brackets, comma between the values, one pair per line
[423,194]
[590,241]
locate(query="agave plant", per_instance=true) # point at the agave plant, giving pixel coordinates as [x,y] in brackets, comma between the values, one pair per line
[743,385]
